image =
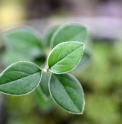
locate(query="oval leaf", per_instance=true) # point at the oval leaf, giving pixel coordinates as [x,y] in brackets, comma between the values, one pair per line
[65,56]
[24,41]
[20,78]
[69,32]
[67,93]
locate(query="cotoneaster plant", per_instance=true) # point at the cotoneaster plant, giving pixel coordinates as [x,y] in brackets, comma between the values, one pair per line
[53,57]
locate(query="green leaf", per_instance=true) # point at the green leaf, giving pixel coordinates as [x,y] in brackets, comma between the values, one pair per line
[65,56]
[44,83]
[49,35]
[20,78]
[45,105]
[24,41]
[69,32]
[85,61]
[67,93]
[11,57]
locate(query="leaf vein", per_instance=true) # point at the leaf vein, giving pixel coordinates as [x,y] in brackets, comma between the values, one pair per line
[19,78]
[65,56]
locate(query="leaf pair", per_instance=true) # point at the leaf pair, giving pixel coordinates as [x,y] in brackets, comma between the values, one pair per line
[23,77]
[67,33]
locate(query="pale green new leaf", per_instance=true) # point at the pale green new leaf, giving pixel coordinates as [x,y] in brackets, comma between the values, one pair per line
[20,78]
[67,93]
[65,56]
[24,41]
[69,32]
[44,83]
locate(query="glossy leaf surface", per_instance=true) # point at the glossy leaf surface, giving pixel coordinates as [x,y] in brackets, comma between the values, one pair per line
[67,93]
[65,56]
[69,32]
[20,78]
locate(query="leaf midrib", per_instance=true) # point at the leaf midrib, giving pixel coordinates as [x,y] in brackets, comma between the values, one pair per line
[68,94]
[66,56]
[19,78]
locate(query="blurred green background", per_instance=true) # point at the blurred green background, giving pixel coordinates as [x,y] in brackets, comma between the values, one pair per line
[101,80]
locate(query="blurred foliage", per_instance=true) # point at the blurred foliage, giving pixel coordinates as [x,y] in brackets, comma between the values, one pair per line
[106,69]
[102,84]
[102,81]
[11,13]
